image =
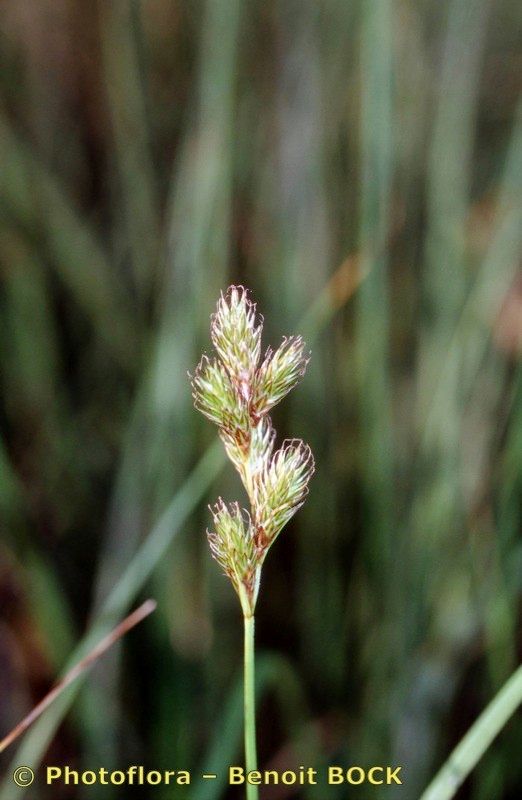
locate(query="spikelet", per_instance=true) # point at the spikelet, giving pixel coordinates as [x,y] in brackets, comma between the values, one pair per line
[281,487]
[279,373]
[236,334]
[216,397]
[232,544]
[236,392]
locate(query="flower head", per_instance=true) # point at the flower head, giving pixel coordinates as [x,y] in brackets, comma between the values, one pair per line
[281,488]
[279,373]
[236,393]
[216,397]
[236,335]
[249,453]
[233,547]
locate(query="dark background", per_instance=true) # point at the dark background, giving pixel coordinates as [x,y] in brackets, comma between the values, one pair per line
[358,166]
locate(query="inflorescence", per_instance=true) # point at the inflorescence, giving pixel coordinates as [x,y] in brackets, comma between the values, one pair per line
[236,392]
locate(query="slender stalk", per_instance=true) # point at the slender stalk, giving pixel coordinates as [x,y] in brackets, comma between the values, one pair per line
[250,705]
[476,741]
[236,392]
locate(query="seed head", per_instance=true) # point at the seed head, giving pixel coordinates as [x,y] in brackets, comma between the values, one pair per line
[279,373]
[236,393]
[216,397]
[236,334]
[232,545]
[281,487]
[251,452]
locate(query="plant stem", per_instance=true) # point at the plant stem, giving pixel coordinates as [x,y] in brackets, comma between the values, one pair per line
[476,741]
[250,705]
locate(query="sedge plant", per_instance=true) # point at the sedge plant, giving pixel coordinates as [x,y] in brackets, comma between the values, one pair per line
[236,389]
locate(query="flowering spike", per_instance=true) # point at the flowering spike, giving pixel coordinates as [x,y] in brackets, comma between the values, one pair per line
[279,373]
[281,488]
[215,396]
[232,546]
[236,335]
[249,453]
[261,445]
[235,393]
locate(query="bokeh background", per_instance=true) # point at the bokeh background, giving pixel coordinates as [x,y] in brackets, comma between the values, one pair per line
[358,166]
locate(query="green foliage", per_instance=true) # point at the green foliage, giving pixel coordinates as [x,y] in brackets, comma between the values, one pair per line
[359,166]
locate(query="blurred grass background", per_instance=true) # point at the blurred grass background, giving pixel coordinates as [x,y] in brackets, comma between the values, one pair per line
[358,165]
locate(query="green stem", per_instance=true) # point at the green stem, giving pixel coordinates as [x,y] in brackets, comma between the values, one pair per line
[250,706]
[476,741]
